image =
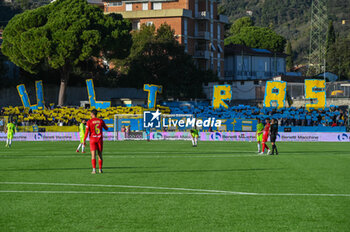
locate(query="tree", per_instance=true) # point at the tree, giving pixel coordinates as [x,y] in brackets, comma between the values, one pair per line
[241,23]
[331,37]
[338,58]
[141,38]
[24,4]
[258,37]
[29,4]
[289,59]
[63,34]
[156,57]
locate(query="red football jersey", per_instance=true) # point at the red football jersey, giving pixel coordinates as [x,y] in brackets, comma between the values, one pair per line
[266,129]
[94,128]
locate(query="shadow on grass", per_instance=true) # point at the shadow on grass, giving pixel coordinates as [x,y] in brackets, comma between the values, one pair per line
[203,171]
[66,169]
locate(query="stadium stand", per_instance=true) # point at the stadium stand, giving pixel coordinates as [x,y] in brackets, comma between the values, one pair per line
[320,120]
[330,116]
[66,116]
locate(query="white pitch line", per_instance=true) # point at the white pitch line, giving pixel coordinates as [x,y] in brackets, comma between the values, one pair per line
[155,152]
[126,193]
[129,156]
[203,191]
[114,186]
[168,152]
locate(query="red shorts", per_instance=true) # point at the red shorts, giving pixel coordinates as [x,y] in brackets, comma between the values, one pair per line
[265,138]
[96,145]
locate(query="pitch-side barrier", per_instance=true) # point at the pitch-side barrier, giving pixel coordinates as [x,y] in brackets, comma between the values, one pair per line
[204,136]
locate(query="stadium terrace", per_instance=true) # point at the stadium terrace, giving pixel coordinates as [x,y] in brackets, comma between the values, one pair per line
[191,122]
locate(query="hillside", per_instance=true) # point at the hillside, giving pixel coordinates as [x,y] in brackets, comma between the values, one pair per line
[9,9]
[289,18]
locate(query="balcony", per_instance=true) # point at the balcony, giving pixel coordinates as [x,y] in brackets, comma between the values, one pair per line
[202,35]
[223,19]
[142,14]
[201,54]
[202,15]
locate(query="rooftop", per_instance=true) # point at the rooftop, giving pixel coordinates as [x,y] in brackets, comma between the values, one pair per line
[234,49]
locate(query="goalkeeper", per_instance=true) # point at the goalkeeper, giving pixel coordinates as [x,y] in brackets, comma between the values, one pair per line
[11,130]
[82,129]
[194,135]
[259,134]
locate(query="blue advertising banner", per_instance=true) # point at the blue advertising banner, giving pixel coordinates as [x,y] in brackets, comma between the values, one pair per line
[184,124]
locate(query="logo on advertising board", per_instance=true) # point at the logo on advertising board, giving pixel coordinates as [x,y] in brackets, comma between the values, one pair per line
[278,137]
[216,136]
[151,119]
[343,137]
[157,135]
[38,136]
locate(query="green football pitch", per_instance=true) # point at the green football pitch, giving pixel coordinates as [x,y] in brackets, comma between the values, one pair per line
[172,186]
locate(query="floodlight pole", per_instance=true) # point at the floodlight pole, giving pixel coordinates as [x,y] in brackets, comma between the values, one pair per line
[318,35]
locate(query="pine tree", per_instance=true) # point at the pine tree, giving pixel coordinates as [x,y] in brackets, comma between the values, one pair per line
[330,35]
[62,35]
[289,59]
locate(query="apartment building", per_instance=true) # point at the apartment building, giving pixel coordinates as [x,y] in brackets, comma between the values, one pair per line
[197,24]
[243,63]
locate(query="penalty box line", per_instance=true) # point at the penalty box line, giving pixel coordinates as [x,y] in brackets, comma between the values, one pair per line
[188,191]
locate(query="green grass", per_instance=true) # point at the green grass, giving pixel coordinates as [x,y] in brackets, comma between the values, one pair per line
[301,168]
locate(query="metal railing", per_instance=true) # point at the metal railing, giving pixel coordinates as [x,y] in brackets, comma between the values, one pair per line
[202,35]
[333,90]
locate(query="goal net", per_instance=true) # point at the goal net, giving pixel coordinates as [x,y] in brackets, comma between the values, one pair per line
[132,126]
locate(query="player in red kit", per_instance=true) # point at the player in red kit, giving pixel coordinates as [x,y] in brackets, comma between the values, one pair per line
[265,137]
[94,129]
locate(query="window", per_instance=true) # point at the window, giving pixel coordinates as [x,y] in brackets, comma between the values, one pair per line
[157,6]
[136,25]
[144,6]
[211,31]
[128,6]
[115,4]
[150,23]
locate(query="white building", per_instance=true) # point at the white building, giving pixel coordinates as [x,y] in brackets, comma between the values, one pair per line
[243,63]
